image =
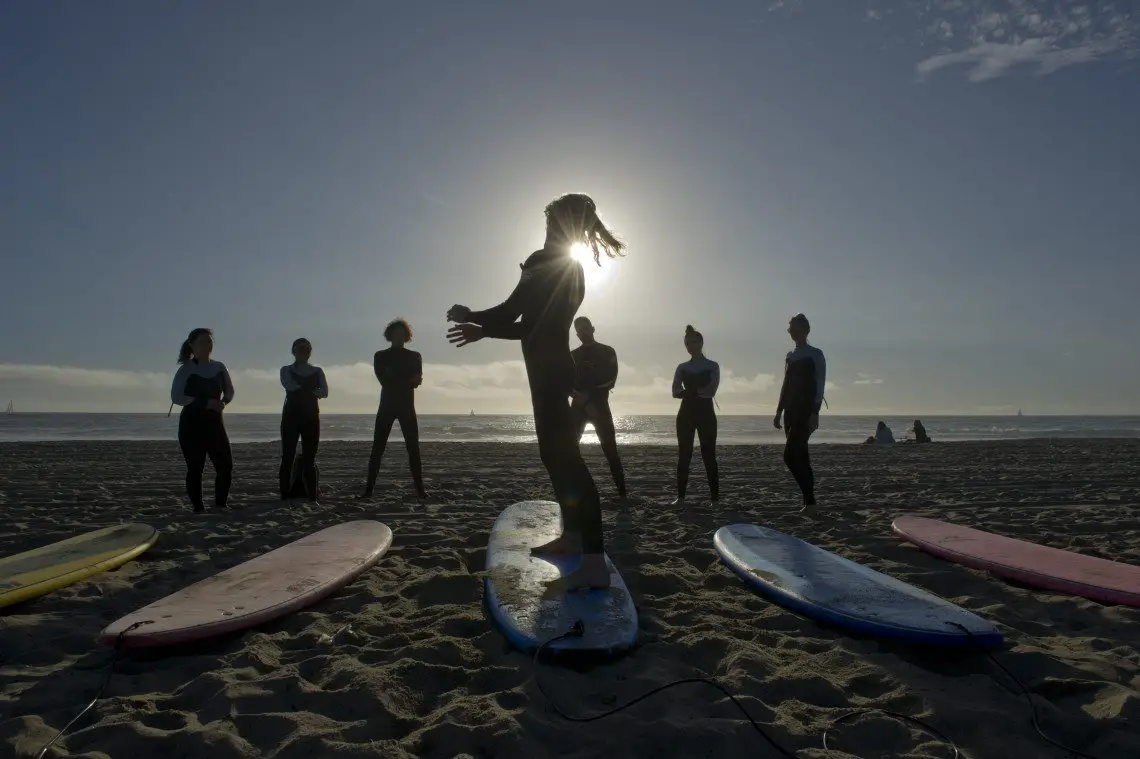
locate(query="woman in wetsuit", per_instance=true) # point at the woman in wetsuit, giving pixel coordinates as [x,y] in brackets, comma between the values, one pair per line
[399,372]
[304,386]
[695,383]
[548,295]
[202,388]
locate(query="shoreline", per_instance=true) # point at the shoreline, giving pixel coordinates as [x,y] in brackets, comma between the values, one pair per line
[417,671]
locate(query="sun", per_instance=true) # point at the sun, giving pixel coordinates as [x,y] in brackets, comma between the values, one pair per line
[595,275]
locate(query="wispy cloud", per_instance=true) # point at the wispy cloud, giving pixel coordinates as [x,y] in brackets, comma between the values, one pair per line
[862,378]
[991,39]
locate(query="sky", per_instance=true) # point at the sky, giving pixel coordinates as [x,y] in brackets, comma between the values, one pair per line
[947,188]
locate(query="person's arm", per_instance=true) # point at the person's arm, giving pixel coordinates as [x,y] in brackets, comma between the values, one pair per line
[678,388]
[820,378]
[783,402]
[322,389]
[227,387]
[501,321]
[418,377]
[709,389]
[178,390]
[381,369]
[287,380]
[609,372]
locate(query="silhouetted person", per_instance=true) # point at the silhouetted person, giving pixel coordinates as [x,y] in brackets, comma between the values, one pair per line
[596,371]
[550,291]
[920,435]
[695,382]
[203,388]
[304,385]
[400,371]
[801,396]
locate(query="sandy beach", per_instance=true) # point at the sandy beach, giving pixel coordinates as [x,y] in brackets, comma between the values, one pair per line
[403,662]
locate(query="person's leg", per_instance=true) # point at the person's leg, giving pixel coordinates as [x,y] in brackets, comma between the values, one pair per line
[603,420]
[222,458]
[384,421]
[797,459]
[289,434]
[410,429]
[191,441]
[686,428]
[706,431]
[310,430]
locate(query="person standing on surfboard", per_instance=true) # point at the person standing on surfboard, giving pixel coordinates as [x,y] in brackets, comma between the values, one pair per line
[304,385]
[550,291]
[801,396]
[695,382]
[596,371]
[399,371]
[203,388]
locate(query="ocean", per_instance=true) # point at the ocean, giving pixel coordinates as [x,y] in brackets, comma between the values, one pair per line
[632,430]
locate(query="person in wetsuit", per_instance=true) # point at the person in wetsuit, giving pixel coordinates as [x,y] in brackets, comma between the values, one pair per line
[801,396]
[550,291]
[202,387]
[695,382]
[304,385]
[399,371]
[596,371]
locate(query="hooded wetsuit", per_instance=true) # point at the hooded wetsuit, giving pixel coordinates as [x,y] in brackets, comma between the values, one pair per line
[397,370]
[304,386]
[596,370]
[202,432]
[550,290]
[801,396]
[695,382]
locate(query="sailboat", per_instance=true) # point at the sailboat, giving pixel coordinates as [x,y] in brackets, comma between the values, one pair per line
[11,408]
[1019,412]
[472,412]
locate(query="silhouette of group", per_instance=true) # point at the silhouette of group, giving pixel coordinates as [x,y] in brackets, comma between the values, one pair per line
[568,389]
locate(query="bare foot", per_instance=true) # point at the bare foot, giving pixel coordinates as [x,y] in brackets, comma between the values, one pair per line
[591,574]
[566,543]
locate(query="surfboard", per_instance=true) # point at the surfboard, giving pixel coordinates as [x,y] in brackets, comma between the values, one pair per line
[1031,564]
[33,573]
[515,583]
[837,591]
[262,589]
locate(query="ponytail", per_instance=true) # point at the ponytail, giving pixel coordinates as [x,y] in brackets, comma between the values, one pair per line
[600,239]
[184,352]
[690,332]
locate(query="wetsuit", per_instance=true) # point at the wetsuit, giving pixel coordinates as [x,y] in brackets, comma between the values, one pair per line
[397,369]
[596,370]
[304,386]
[202,432]
[550,290]
[805,375]
[695,383]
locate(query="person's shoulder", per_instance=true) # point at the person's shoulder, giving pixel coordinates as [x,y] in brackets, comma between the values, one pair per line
[814,350]
[381,352]
[217,366]
[607,348]
[578,351]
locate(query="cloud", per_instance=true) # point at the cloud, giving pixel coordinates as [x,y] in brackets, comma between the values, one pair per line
[990,38]
[496,387]
[862,378]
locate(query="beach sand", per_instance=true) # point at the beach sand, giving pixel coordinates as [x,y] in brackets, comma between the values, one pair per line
[415,669]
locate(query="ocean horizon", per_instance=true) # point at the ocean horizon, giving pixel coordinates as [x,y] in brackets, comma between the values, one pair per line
[519,428]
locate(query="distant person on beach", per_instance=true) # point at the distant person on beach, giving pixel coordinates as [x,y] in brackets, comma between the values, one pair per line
[920,435]
[399,371]
[695,382]
[882,436]
[304,385]
[202,387]
[801,397]
[550,291]
[596,371]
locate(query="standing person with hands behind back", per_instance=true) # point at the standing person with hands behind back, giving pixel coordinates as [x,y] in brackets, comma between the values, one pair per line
[548,295]
[399,371]
[801,396]
[596,371]
[695,382]
[202,387]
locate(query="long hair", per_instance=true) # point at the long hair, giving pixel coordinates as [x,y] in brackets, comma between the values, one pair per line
[185,352]
[690,332]
[574,217]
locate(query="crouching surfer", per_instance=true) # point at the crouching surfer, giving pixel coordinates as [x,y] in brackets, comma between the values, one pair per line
[202,387]
[304,385]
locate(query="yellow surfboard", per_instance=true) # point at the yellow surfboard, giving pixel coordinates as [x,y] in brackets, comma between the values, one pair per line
[42,570]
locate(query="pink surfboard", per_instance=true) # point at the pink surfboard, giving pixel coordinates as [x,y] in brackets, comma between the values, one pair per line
[262,589]
[1028,563]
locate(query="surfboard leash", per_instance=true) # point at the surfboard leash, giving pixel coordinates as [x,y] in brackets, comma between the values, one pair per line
[1028,698]
[117,657]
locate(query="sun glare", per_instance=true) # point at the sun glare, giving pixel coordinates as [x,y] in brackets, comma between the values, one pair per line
[595,275]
